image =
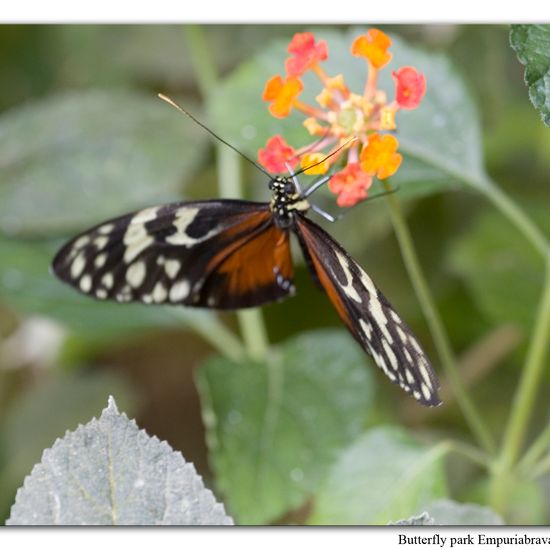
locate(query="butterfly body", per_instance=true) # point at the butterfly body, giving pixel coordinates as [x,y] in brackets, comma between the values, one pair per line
[233,254]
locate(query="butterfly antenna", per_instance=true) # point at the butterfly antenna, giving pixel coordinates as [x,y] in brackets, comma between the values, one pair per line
[351,140]
[196,121]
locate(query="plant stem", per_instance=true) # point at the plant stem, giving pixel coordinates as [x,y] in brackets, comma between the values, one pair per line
[437,329]
[472,453]
[517,216]
[215,333]
[485,185]
[201,58]
[524,398]
[251,323]
[543,467]
[537,449]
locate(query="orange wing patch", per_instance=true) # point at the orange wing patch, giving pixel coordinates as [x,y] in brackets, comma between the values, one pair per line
[254,267]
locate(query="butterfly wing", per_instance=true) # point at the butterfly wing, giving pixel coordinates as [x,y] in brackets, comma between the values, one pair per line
[222,254]
[367,314]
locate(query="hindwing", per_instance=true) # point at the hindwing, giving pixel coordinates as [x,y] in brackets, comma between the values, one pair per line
[367,314]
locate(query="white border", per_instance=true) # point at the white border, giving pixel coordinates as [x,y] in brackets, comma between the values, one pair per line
[273,11]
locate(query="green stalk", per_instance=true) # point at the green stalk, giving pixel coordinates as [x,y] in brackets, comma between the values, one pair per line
[538,448]
[251,322]
[212,330]
[483,184]
[524,399]
[439,335]
[540,469]
[471,453]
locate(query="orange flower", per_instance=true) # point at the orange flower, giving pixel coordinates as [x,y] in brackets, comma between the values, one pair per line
[276,155]
[316,162]
[373,46]
[306,53]
[379,157]
[350,184]
[282,94]
[410,87]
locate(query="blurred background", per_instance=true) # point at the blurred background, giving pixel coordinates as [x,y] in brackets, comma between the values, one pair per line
[84,138]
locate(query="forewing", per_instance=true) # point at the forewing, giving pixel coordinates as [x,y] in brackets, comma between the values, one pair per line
[179,254]
[368,314]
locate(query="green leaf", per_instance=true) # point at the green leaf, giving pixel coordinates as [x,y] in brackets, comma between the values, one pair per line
[503,275]
[109,472]
[440,140]
[449,512]
[72,160]
[28,286]
[274,429]
[43,413]
[532,46]
[383,475]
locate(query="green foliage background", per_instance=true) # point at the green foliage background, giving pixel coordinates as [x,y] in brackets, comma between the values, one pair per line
[308,432]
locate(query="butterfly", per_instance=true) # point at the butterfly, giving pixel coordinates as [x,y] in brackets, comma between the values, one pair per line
[230,254]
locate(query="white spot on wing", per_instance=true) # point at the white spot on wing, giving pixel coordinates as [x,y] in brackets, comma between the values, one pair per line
[86,283]
[135,274]
[82,241]
[100,260]
[184,218]
[348,287]
[367,329]
[78,265]
[100,242]
[106,229]
[426,392]
[159,293]
[108,280]
[390,354]
[179,291]
[136,237]
[101,293]
[172,267]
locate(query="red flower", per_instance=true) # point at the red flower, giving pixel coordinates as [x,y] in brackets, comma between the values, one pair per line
[350,184]
[276,155]
[306,53]
[410,87]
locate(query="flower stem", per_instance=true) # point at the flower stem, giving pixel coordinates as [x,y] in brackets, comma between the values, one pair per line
[250,321]
[538,448]
[524,399]
[439,335]
[486,186]
[472,453]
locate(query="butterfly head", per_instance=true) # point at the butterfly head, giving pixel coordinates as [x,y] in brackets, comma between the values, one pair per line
[285,201]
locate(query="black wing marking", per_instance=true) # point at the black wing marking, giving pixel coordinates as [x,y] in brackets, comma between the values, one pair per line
[368,315]
[202,253]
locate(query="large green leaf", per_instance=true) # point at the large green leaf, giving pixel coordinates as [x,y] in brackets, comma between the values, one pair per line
[382,476]
[43,413]
[504,276]
[28,286]
[274,429]
[75,159]
[109,472]
[440,139]
[532,46]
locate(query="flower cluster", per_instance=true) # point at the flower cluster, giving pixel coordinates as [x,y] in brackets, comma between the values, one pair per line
[344,124]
